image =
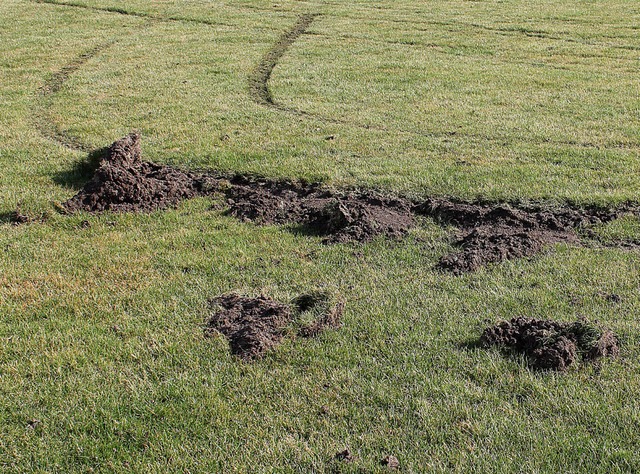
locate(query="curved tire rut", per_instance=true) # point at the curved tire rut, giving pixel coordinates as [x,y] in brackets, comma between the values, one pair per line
[44,121]
[259,77]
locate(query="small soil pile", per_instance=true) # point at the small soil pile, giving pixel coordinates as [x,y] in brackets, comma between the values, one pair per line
[340,217]
[552,345]
[18,218]
[254,326]
[125,183]
[497,232]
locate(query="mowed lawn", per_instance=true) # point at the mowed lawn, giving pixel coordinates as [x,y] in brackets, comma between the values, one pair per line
[104,366]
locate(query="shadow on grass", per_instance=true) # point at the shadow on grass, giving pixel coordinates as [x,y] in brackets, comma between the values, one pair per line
[7,217]
[471,344]
[81,171]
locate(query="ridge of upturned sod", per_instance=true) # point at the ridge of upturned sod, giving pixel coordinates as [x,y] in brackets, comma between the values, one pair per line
[487,232]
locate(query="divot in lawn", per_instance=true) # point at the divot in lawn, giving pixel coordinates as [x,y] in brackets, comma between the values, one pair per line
[255,326]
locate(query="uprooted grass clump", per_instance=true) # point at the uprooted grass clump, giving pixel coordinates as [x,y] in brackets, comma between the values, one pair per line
[324,312]
[487,232]
[254,326]
[552,345]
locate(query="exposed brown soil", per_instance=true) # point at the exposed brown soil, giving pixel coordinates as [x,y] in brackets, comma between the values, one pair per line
[488,232]
[340,217]
[254,326]
[552,345]
[18,218]
[123,182]
[496,232]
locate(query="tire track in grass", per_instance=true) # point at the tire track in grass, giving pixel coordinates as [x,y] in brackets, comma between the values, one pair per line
[260,93]
[259,77]
[259,88]
[122,11]
[43,118]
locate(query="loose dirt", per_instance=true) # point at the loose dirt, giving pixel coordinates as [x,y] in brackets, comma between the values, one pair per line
[552,345]
[125,183]
[344,456]
[254,326]
[487,232]
[492,233]
[18,218]
[339,217]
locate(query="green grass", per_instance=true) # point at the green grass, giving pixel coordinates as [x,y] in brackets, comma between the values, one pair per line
[101,328]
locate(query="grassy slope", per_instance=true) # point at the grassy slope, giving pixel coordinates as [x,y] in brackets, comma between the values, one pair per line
[101,328]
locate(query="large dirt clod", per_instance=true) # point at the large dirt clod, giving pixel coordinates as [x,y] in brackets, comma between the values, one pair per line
[253,326]
[125,183]
[552,345]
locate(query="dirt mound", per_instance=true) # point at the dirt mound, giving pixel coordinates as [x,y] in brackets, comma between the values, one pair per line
[492,233]
[552,345]
[254,326]
[125,183]
[340,217]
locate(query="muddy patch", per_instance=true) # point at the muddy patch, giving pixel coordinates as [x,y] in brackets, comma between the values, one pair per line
[492,233]
[552,345]
[125,183]
[337,216]
[255,326]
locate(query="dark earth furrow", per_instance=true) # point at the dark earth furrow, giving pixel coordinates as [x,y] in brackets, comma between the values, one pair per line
[487,232]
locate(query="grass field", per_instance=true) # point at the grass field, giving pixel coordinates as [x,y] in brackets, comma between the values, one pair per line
[103,362]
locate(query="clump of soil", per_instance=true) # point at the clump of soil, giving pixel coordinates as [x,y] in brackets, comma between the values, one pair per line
[552,345]
[391,462]
[492,233]
[254,326]
[18,218]
[125,183]
[340,217]
[344,456]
